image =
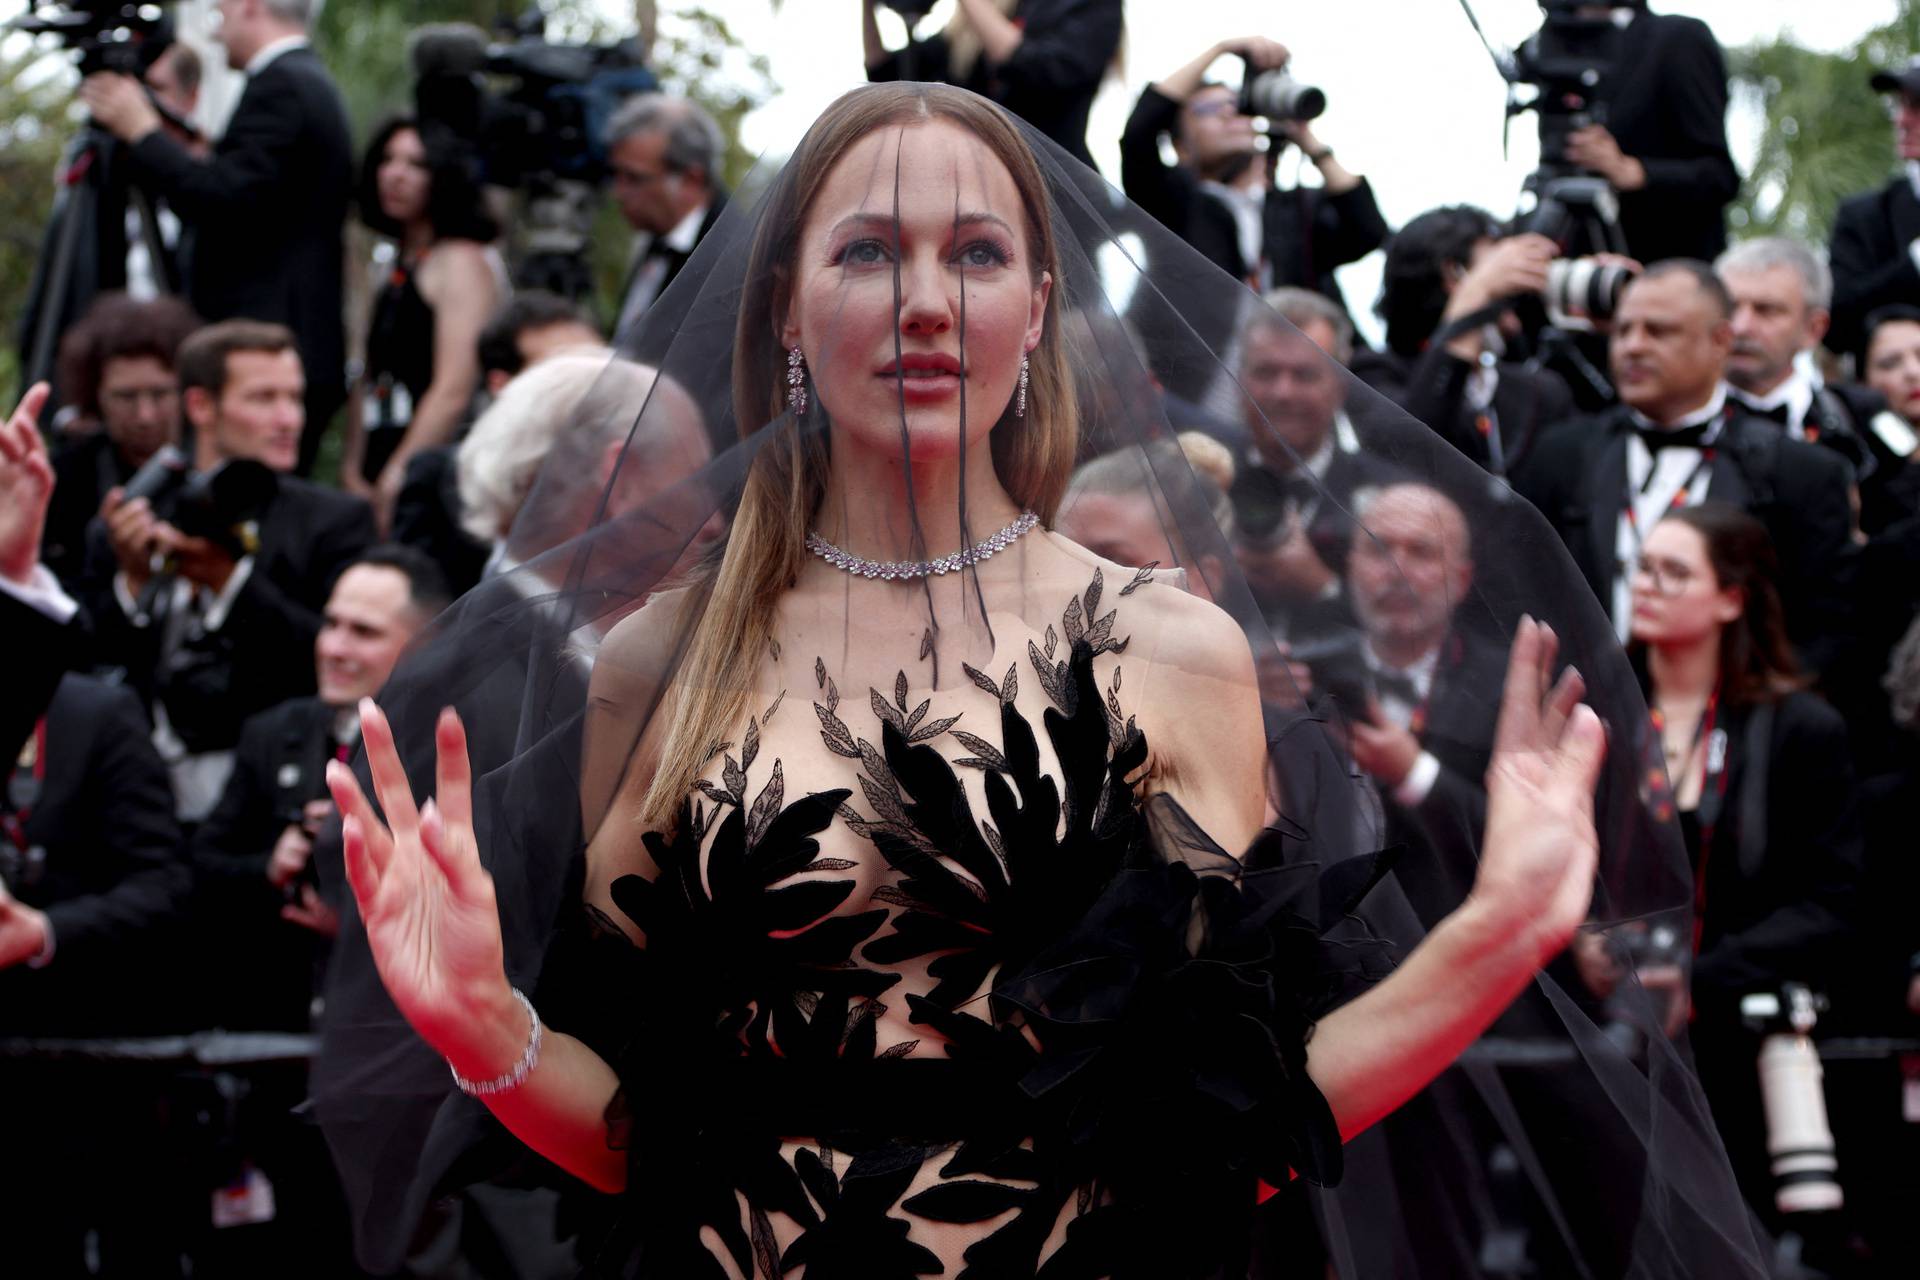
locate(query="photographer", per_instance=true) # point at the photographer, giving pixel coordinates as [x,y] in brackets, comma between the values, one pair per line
[1875,250]
[1675,440]
[117,375]
[251,856]
[1294,483]
[1442,268]
[419,186]
[266,208]
[203,619]
[1221,197]
[665,155]
[1043,60]
[1663,143]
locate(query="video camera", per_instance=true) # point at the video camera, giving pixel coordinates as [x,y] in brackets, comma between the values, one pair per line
[548,122]
[109,35]
[219,504]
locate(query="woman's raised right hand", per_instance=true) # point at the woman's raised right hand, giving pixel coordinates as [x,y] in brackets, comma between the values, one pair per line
[431,918]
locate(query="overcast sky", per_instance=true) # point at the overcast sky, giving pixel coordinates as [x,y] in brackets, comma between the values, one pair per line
[1413,100]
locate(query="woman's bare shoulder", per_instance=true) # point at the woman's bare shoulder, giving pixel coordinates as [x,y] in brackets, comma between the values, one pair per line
[1167,621]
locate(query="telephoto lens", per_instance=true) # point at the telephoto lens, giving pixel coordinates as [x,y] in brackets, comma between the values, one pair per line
[1582,292]
[1276,95]
[1799,1140]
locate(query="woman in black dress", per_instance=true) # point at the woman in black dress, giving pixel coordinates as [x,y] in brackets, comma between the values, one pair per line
[940,917]
[418,186]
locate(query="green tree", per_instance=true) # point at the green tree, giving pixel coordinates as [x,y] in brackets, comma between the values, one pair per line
[1825,134]
[35,128]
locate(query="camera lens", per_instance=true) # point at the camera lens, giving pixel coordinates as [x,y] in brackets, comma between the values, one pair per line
[1581,291]
[1799,1140]
[1276,95]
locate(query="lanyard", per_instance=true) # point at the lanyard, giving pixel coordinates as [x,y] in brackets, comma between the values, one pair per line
[1707,449]
[1713,796]
[23,792]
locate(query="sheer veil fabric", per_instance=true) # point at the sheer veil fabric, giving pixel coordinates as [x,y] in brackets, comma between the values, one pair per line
[955,955]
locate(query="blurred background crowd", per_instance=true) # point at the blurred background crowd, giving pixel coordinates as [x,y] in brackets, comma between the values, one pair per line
[315,292]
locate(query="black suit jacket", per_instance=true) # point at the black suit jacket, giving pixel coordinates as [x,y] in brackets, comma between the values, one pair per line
[1667,107]
[1785,916]
[1577,477]
[263,653]
[266,212]
[115,876]
[1872,266]
[39,652]
[1308,233]
[1433,388]
[675,260]
[83,471]
[259,970]
[1050,81]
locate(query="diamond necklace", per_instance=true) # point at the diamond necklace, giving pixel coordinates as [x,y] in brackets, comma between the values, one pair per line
[895,569]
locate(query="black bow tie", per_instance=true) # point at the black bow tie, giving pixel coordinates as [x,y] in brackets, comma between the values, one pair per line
[1658,438]
[1781,413]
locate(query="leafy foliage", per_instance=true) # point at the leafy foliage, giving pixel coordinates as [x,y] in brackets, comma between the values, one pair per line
[35,127]
[1825,135]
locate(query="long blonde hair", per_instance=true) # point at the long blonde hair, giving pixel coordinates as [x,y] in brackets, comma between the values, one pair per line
[734,596]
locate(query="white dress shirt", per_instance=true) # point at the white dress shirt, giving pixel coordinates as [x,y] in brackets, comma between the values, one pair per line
[1653,485]
[1796,391]
[652,273]
[1418,784]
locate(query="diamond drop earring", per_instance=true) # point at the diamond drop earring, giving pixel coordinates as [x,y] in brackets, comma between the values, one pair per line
[796,383]
[1020,400]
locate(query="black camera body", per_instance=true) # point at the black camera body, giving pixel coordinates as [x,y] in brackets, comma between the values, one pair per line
[109,35]
[911,11]
[1339,670]
[548,121]
[218,504]
[1566,61]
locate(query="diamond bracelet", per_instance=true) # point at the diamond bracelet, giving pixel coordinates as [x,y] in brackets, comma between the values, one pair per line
[514,1078]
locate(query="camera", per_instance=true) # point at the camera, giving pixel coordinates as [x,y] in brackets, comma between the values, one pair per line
[1276,95]
[1584,292]
[1799,1140]
[910,11]
[108,36]
[1339,670]
[1565,61]
[219,504]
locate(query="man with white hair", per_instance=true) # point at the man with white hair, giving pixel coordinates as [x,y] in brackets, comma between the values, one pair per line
[266,208]
[1782,299]
[564,434]
[664,154]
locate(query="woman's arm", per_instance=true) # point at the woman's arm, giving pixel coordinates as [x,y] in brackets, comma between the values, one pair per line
[458,283]
[1532,890]
[433,926]
[353,445]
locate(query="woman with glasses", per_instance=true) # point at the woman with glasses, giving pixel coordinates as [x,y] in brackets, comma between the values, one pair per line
[1762,788]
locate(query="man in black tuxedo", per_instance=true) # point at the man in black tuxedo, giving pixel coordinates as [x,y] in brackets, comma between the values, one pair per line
[1781,297]
[1663,144]
[1221,196]
[1294,482]
[1444,268]
[204,630]
[664,154]
[1675,440]
[265,210]
[1875,250]
[252,855]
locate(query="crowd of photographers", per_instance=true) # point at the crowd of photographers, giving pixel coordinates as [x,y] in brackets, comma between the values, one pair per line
[1724,438]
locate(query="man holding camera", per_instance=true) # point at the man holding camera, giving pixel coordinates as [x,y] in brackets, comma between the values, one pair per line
[1448,274]
[1295,480]
[1221,197]
[1663,143]
[1676,439]
[203,618]
[267,207]
[252,854]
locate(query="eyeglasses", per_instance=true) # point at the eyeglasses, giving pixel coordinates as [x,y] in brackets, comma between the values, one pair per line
[1668,578]
[1217,107]
[636,178]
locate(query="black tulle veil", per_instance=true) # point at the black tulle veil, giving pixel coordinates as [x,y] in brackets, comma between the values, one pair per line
[1575,1121]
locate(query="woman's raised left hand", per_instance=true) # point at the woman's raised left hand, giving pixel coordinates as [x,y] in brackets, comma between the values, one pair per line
[1541,850]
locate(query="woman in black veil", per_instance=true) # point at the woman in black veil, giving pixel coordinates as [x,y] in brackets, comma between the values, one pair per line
[951,907]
